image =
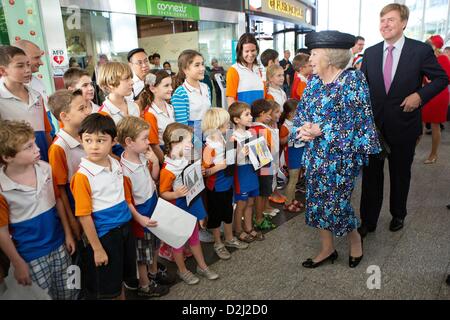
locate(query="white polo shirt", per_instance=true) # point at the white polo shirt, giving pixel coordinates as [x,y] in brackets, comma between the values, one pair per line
[99,191]
[199,101]
[163,119]
[31,213]
[278,95]
[12,108]
[115,113]
[95,107]
[65,157]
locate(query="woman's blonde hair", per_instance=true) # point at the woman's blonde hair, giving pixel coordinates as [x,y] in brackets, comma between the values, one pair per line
[270,72]
[111,73]
[338,58]
[215,118]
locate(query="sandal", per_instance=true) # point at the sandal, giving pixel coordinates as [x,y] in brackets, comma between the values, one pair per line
[292,207]
[298,204]
[246,237]
[277,200]
[256,235]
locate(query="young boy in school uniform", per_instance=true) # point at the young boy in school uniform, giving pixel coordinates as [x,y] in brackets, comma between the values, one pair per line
[34,232]
[66,151]
[79,79]
[20,102]
[100,204]
[141,170]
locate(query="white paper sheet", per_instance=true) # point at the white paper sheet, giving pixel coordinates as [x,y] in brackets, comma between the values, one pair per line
[259,153]
[175,225]
[193,180]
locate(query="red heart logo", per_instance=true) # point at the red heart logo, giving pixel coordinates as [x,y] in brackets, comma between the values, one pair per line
[58,59]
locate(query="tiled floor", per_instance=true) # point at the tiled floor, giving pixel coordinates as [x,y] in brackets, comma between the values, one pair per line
[413,262]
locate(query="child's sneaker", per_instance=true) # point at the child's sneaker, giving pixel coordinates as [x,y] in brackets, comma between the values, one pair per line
[265,224]
[271,213]
[161,277]
[188,277]
[207,273]
[153,290]
[221,251]
[236,243]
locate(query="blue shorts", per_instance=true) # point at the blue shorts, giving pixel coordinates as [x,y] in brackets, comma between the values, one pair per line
[244,196]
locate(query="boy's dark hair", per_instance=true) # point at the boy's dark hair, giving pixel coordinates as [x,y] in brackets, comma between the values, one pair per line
[299,61]
[289,106]
[60,101]
[268,55]
[98,123]
[303,50]
[7,53]
[156,55]
[259,106]
[236,109]
[358,38]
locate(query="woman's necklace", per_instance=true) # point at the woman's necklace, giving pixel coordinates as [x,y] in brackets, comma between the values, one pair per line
[336,76]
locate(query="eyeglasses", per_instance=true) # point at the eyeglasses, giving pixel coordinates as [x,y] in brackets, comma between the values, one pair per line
[141,62]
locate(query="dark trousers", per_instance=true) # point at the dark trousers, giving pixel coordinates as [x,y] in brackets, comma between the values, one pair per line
[400,162]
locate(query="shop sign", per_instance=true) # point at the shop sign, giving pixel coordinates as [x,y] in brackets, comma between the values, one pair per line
[284,8]
[173,9]
[58,61]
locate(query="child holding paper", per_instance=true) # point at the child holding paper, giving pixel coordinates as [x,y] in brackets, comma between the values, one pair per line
[178,145]
[262,113]
[246,185]
[141,169]
[219,184]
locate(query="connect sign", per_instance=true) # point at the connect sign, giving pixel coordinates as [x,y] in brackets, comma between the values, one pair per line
[173,9]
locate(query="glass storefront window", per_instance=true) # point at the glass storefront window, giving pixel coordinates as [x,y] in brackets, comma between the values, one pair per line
[289,43]
[215,40]
[264,35]
[435,18]
[111,34]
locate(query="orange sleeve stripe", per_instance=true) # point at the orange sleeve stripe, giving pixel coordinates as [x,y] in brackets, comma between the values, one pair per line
[284,132]
[151,120]
[4,212]
[82,194]
[58,161]
[268,136]
[269,97]
[166,179]
[128,190]
[208,157]
[232,83]
[301,87]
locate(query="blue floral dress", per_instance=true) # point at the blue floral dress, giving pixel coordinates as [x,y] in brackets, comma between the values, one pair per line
[334,159]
